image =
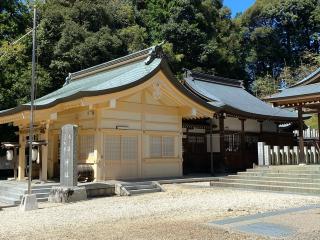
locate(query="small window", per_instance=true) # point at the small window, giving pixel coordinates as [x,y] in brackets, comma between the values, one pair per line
[120,147]
[162,146]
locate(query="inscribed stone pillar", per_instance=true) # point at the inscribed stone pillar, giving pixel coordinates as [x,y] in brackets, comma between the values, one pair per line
[68,155]
[276,153]
[313,155]
[68,191]
[267,157]
[296,155]
[287,155]
[306,155]
[281,157]
[261,160]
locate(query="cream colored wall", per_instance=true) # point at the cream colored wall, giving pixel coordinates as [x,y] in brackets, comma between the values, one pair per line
[142,120]
[151,108]
[141,116]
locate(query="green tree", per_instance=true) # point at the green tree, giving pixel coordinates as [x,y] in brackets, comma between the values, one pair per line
[14,19]
[278,32]
[265,86]
[200,34]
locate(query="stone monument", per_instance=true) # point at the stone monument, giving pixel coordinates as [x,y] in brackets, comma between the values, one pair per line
[261,161]
[68,191]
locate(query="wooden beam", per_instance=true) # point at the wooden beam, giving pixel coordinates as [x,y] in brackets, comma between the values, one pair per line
[222,145]
[22,160]
[319,127]
[211,148]
[243,140]
[301,142]
[261,130]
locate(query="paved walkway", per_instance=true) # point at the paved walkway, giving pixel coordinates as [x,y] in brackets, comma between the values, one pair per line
[292,223]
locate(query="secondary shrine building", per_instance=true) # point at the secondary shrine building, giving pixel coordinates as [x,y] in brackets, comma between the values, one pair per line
[136,120]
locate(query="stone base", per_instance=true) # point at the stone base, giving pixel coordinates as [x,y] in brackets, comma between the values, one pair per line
[29,202]
[67,194]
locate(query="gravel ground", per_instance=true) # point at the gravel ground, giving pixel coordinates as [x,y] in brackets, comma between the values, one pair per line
[182,212]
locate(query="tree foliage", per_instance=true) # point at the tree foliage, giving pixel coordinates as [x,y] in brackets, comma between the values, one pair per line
[274,41]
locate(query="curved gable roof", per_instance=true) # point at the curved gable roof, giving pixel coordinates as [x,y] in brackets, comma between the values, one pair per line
[232,98]
[108,77]
[214,93]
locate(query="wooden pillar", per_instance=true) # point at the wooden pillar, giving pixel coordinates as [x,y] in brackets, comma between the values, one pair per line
[221,133]
[15,163]
[301,141]
[44,155]
[211,147]
[319,128]
[261,130]
[22,157]
[51,150]
[277,131]
[243,141]
[142,142]
[100,165]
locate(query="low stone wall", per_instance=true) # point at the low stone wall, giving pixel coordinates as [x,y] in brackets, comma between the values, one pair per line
[275,155]
[97,189]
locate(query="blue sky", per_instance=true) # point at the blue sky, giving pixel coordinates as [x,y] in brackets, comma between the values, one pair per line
[238,5]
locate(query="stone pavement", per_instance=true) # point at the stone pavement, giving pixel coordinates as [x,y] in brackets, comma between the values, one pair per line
[288,223]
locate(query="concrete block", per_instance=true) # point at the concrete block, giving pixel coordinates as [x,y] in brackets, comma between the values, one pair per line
[29,202]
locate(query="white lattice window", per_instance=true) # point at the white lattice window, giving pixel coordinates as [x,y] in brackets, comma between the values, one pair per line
[129,147]
[120,147]
[162,146]
[112,147]
[155,146]
[86,146]
[168,146]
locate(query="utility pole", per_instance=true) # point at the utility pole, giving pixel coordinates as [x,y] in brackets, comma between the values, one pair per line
[33,78]
[29,201]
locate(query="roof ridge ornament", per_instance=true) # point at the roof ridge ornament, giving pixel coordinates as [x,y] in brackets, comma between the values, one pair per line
[68,80]
[155,52]
[214,79]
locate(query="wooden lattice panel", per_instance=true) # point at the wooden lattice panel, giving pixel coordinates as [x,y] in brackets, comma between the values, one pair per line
[112,147]
[86,146]
[129,147]
[168,146]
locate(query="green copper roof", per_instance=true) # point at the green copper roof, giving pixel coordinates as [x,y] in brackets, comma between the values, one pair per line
[104,78]
[215,93]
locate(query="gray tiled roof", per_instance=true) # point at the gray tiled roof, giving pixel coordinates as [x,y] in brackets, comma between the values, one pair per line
[297,91]
[309,77]
[231,97]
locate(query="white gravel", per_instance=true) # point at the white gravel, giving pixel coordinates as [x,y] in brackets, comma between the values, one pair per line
[192,205]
